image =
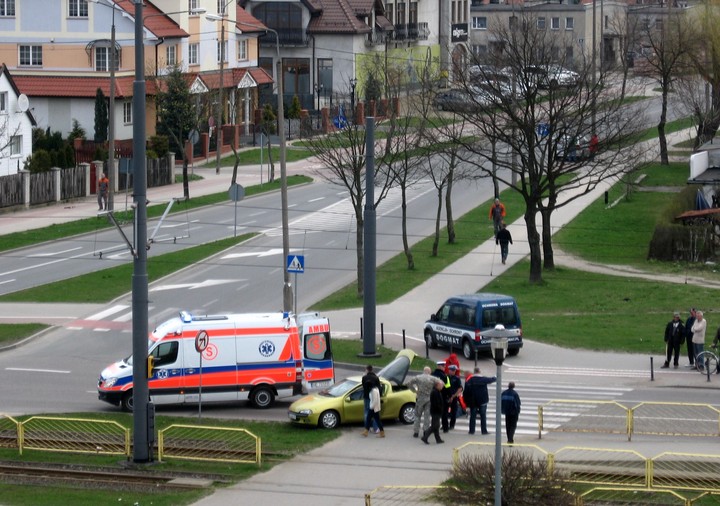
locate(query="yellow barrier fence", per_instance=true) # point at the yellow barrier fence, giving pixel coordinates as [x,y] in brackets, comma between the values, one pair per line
[686,471]
[193,442]
[583,416]
[604,496]
[73,435]
[9,428]
[675,419]
[403,495]
[601,466]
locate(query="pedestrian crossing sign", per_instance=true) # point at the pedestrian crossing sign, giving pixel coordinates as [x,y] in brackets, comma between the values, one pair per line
[296,264]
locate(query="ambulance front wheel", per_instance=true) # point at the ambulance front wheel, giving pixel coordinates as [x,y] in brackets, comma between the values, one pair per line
[127,402]
[262,397]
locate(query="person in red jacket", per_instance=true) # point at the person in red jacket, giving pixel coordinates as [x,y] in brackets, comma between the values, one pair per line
[497,214]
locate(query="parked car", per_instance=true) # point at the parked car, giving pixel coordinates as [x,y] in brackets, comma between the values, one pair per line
[544,77]
[343,402]
[460,100]
[559,76]
[573,149]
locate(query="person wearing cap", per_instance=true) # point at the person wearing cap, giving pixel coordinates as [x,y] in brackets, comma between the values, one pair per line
[439,373]
[453,394]
[674,337]
[688,337]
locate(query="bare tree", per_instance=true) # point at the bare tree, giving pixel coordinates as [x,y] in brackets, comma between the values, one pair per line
[547,127]
[343,156]
[668,36]
[704,19]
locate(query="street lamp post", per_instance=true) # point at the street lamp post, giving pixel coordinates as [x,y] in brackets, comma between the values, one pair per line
[318,90]
[353,84]
[143,417]
[498,346]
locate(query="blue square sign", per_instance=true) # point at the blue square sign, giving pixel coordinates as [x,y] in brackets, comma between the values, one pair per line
[296,264]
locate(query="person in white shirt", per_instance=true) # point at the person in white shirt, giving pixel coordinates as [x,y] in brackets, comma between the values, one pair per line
[698,335]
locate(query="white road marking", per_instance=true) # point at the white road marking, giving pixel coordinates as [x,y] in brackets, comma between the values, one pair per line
[317,199]
[53,253]
[21,369]
[107,312]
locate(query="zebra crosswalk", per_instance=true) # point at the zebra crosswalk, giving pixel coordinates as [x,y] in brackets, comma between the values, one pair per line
[534,394]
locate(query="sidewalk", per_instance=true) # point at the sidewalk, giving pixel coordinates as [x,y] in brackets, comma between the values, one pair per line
[63,212]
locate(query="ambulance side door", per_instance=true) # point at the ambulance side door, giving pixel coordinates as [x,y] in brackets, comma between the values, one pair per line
[168,378]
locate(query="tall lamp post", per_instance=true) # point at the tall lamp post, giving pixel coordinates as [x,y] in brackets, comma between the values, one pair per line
[221,17]
[318,90]
[143,417]
[353,84]
[499,347]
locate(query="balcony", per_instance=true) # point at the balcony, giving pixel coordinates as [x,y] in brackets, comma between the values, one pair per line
[288,37]
[377,38]
[401,32]
[418,31]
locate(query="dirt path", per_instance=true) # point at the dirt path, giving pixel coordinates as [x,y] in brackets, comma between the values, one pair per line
[564,259]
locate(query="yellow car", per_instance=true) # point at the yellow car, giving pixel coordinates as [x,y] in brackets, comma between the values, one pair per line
[343,402]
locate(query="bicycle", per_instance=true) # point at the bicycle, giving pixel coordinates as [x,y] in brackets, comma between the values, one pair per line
[707,359]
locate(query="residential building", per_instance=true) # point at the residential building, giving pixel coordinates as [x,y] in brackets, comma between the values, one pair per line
[16,123]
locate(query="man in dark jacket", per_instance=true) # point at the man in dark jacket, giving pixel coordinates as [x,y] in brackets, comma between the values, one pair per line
[370,380]
[437,406]
[439,373]
[510,407]
[476,397]
[504,239]
[453,398]
[674,337]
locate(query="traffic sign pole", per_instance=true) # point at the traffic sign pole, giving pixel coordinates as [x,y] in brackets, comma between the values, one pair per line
[202,339]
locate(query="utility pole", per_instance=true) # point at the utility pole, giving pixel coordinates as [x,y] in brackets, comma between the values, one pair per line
[112,176]
[218,121]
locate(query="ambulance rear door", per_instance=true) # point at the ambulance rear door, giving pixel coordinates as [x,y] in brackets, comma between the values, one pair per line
[318,367]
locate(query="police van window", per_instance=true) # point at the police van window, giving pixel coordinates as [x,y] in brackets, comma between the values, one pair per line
[444,313]
[165,353]
[508,316]
[458,315]
[317,346]
[470,315]
[496,315]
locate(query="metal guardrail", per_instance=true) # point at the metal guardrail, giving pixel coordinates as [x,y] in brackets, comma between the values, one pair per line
[73,435]
[80,435]
[610,417]
[192,442]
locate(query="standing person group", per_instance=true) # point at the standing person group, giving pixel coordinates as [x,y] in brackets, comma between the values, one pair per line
[693,333]
[437,395]
[497,215]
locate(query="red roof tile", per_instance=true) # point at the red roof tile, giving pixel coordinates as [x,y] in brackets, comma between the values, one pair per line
[80,86]
[337,16]
[247,23]
[154,19]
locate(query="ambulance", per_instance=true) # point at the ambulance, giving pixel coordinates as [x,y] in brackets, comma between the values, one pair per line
[228,357]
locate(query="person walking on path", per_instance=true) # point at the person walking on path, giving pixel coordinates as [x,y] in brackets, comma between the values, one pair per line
[504,239]
[476,396]
[102,192]
[497,215]
[374,413]
[698,336]
[510,407]
[688,337]
[369,380]
[674,337]
[423,385]
[437,405]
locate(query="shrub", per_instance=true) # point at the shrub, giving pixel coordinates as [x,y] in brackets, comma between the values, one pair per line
[159,144]
[525,482]
[40,161]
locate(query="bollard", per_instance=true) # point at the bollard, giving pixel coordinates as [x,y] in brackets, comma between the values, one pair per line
[652,370]
[382,333]
[707,368]
[607,198]
[404,339]
[361,329]
[427,350]
[476,352]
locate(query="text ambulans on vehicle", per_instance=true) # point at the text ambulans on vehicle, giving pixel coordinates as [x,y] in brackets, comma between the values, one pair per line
[255,356]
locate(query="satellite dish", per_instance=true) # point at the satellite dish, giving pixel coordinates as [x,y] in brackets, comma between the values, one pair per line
[23,103]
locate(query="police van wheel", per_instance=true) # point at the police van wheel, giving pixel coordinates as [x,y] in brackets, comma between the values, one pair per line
[467,350]
[407,413]
[329,419]
[513,352]
[262,397]
[127,402]
[429,340]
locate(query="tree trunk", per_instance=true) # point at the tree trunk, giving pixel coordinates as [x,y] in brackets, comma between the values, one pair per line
[186,185]
[406,246]
[437,223]
[664,160]
[271,176]
[533,243]
[707,129]
[548,257]
[448,203]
